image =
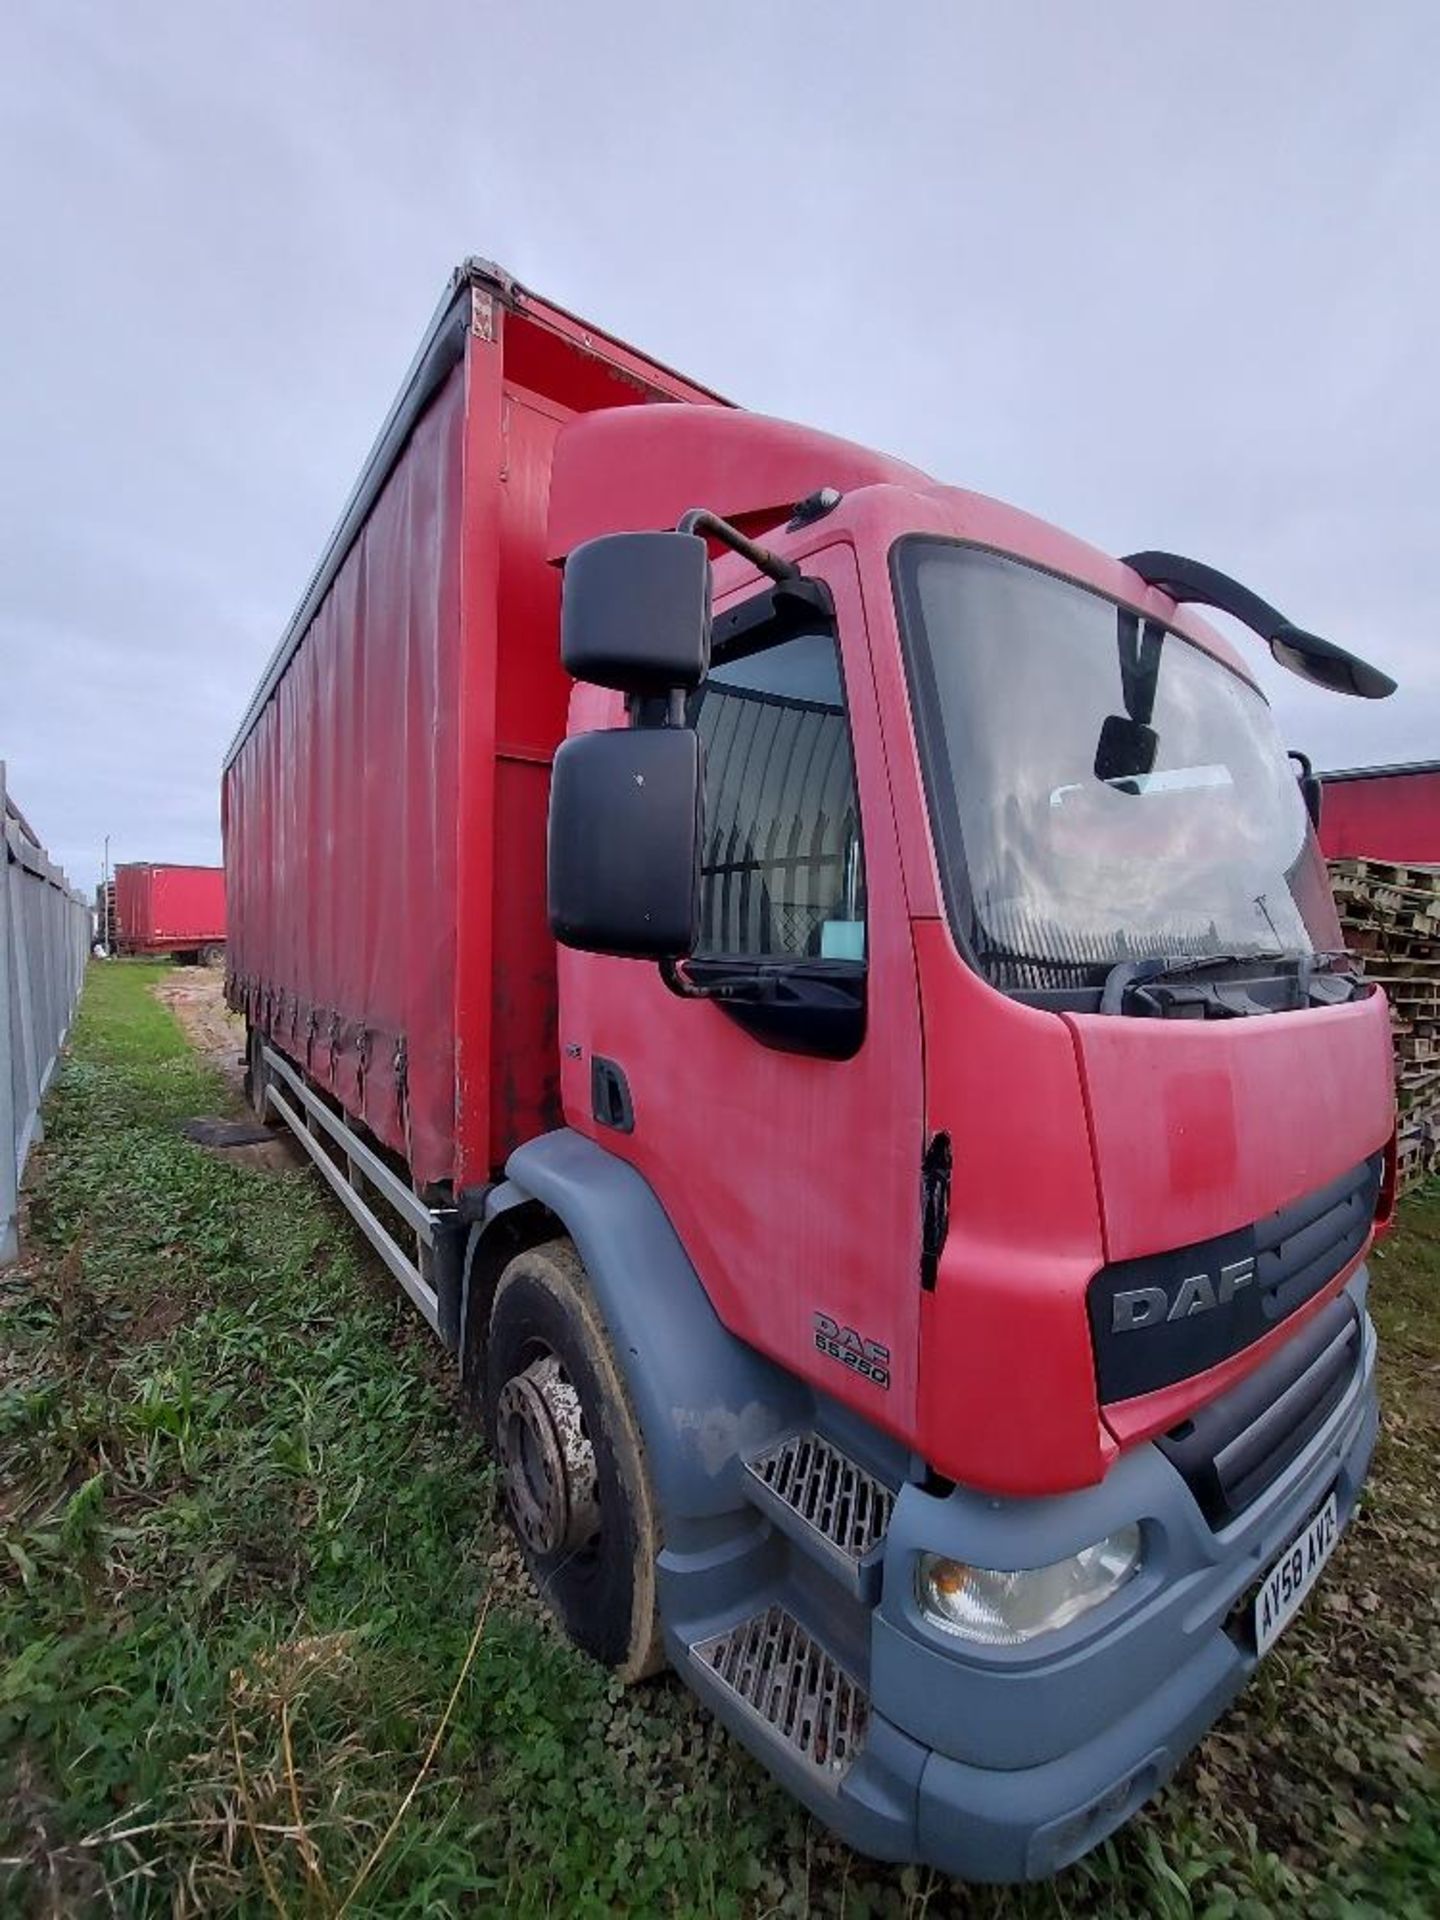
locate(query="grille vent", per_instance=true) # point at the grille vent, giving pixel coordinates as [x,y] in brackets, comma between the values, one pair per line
[786,1679]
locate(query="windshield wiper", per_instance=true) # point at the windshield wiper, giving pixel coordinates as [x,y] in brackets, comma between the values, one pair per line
[1126,975]
[1129,976]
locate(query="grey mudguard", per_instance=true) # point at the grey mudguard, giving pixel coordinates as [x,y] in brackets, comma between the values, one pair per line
[703,1398]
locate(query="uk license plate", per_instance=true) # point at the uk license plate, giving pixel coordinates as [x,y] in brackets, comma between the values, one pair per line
[1293,1575]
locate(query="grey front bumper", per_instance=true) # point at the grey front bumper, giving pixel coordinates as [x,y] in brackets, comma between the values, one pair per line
[1021,1760]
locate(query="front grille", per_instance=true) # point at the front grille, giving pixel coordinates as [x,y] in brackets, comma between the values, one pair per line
[783,1676]
[1167,1316]
[1234,1448]
[842,1502]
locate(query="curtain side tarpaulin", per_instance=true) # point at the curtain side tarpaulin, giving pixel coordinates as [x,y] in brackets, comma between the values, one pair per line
[1391,816]
[340,818]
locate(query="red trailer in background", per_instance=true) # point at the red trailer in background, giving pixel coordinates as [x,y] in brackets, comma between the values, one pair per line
[1383,813]
[174,910]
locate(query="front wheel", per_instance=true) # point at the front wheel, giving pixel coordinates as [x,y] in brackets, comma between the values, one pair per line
[571,1459]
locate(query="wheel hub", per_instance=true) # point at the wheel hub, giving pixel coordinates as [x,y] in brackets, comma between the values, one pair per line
[547,1460]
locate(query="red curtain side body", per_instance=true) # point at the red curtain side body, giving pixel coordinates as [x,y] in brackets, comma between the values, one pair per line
[385,817]
[340,818]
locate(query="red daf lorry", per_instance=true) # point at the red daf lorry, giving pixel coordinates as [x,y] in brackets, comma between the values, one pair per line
[173,910]
[824,992]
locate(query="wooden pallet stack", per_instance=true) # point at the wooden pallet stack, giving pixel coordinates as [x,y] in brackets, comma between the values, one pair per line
[1391,918]
[105,915]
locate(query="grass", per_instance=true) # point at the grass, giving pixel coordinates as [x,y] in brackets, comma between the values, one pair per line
[265,1646]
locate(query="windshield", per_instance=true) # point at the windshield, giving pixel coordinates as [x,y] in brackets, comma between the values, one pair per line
[1101,788]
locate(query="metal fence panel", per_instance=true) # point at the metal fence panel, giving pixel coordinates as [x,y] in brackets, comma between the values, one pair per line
[44,940]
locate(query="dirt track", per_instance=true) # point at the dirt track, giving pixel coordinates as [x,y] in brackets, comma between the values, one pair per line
[196,996]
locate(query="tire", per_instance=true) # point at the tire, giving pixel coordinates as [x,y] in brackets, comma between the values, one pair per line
[255,1073]
[552,1388]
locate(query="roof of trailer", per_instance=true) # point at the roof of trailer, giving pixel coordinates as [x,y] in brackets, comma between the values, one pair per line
[1399,770]
[439,353]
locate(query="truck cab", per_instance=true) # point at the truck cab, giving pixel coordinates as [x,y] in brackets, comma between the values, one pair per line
[978,1021]
[823,992]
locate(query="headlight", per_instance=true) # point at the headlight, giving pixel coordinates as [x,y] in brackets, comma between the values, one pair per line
[1005,1609]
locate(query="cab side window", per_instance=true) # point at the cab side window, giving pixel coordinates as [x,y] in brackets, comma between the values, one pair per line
[782,872]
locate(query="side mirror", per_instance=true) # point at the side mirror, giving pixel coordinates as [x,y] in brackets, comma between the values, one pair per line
[1319,661]
[1126,748]
[635,612]
[624,847]
[1312,790]
[1324,664]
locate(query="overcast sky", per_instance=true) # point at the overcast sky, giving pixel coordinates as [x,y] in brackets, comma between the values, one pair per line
[1164,274]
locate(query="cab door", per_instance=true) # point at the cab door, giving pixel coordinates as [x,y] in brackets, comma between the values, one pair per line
[786,1152]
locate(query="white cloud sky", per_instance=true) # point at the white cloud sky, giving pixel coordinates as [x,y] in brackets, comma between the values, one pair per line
[1165,275]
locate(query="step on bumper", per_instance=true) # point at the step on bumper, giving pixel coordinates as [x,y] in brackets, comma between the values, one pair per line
[794,1688]
[834,1510]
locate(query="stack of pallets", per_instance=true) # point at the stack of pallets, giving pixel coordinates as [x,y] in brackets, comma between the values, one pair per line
[105,915]
[1391,917]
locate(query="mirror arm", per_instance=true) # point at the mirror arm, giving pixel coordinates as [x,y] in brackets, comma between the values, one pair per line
[1311,788]
[1305,654]
[829,1025]
[679,983]
[750,990]
[700,520]
[656,710]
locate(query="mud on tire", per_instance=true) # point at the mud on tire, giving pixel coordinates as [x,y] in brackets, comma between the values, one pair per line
[555,1405]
